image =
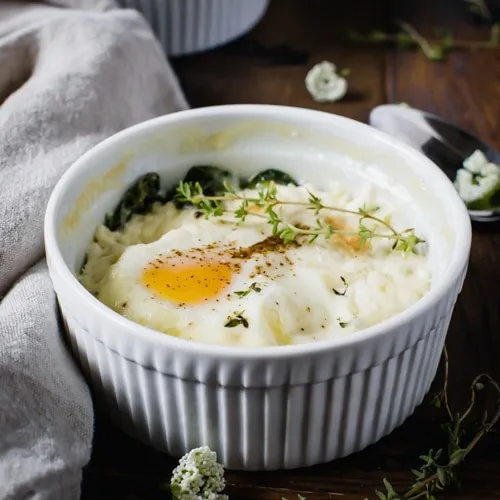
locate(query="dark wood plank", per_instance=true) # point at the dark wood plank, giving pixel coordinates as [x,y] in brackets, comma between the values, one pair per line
[268,66]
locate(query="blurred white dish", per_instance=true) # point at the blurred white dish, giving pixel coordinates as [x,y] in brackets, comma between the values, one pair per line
[188,26]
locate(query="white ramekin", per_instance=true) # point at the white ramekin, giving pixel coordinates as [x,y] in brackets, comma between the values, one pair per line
[188,26]
[267,408]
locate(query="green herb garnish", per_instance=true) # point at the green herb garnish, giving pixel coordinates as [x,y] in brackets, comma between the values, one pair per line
[336,292]
[207,187]
[253,287]
[236,319]
[266,199]
[211,178]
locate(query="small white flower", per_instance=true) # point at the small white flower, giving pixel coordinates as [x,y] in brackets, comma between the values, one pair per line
[478,180]
[325,84]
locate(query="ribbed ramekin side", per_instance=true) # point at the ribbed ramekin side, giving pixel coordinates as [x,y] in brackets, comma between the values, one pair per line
[188,26]
[282,425]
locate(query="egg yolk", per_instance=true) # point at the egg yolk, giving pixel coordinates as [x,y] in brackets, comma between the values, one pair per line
[187,281]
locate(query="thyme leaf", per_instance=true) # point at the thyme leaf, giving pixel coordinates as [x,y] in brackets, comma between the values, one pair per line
[253,287]
[236,319]
[336,292]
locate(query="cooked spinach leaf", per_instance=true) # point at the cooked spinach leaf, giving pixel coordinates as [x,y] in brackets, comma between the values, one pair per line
[266,176]
[138,199]
[141,196]
[210,178]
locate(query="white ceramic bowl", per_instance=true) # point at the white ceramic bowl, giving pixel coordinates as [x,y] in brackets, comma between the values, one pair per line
[259,408]
[189,26]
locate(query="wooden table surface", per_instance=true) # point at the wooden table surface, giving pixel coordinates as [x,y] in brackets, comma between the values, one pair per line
[268,66]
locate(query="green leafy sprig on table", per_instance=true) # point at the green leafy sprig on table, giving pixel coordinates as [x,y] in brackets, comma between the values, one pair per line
[438,467]
[480,8]
[435,49]
[266,199]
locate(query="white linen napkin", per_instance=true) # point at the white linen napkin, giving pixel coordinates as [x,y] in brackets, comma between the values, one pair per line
[72,73]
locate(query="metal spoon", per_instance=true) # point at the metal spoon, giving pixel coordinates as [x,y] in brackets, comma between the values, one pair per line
[444,143]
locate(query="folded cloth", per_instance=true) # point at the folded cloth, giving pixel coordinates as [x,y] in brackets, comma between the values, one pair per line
[73,73]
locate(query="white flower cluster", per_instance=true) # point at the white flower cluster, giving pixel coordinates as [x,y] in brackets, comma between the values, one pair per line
[198,476]
[478,181]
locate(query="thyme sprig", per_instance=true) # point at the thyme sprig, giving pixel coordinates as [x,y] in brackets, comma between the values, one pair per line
[434,49]
[438,468]
[266,199]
